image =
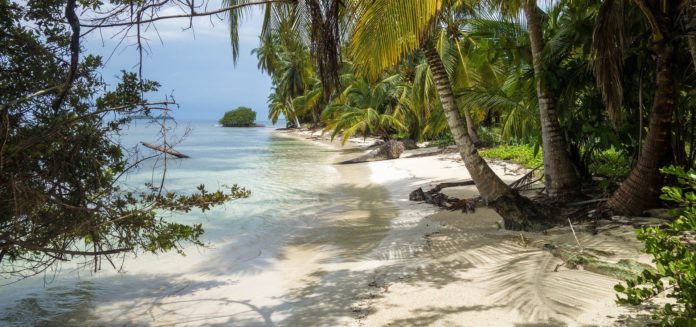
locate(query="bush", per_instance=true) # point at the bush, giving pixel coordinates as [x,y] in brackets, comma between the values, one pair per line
[611,163]
[673,248]
[240,117]
[526,155]
[443,141]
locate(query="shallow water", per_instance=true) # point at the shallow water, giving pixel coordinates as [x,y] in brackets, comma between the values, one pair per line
[299,200]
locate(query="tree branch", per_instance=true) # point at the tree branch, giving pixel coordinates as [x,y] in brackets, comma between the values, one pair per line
[10,241]
[192,14]
[74,22]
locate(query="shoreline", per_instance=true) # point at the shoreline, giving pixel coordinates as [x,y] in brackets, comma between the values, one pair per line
[447,268]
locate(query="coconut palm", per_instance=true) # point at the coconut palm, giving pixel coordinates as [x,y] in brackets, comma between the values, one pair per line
[405,26]
[642,186]
[560,174]
[366,108]
[313,23]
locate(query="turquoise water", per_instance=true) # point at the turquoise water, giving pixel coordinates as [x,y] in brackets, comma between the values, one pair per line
[293,191]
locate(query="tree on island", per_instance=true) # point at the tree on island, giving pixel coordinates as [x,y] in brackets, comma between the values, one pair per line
[240,117]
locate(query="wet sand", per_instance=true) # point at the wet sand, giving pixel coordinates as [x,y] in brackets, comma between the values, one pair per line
[309,276]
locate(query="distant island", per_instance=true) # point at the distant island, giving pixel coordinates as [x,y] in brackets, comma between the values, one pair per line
[240,117]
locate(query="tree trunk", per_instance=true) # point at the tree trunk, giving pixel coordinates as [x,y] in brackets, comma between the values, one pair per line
[642,187]
[490,186]
[560,175]
[471,129]
[692,48]
[294,114]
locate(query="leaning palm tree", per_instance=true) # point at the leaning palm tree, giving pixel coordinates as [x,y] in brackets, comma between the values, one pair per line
[642,186]
[405,26]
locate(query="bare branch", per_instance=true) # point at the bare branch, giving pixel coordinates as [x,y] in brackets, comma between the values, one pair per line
[189,15]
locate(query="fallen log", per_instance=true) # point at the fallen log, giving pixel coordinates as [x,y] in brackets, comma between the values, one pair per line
[440,186]
[435,197]
[388,150]
[164,150]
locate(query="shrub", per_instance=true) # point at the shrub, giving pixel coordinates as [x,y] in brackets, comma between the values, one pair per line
[240,117]
[611,163]
[528,156]
[673,248]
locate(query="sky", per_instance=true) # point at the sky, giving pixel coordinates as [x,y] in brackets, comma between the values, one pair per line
[195,65]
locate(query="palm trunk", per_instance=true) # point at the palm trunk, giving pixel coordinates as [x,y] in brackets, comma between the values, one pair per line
[642,187]
[294,114]
[517,211]
[692,49]
[471,129]
[488,183]
[560,175]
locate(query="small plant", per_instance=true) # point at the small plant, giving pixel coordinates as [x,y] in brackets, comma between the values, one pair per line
[444,141]
[673,248]
[240,117]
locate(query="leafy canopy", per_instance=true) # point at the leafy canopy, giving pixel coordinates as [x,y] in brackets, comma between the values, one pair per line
[240,117]
[61,166]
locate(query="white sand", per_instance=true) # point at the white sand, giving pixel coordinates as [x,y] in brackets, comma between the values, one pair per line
[474,274]
[366,264]
[455,269]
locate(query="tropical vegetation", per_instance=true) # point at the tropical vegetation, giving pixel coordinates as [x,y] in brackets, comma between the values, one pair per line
[567,80]
[592,90]
[61,166]
[240,117]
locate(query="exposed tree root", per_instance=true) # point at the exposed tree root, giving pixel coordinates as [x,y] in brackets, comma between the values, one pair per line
[521,213]
[435,197]
[518,212]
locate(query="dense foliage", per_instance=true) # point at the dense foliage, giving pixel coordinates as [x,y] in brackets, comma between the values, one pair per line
[240,117]
[61,188]
[673,248]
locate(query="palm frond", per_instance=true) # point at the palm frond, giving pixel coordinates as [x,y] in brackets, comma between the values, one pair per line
[607,55]
[388,29]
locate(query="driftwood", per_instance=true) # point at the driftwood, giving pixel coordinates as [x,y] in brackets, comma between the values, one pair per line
[518,212]
[164,150]
[388,150]
[435,197]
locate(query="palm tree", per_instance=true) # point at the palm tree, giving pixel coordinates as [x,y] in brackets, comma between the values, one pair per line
[641,188]
[560,174]
[366,108]
[450,48]
[405,26]
[312,23]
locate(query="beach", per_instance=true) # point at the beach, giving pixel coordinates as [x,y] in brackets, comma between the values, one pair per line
[326,244]
[448,268]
